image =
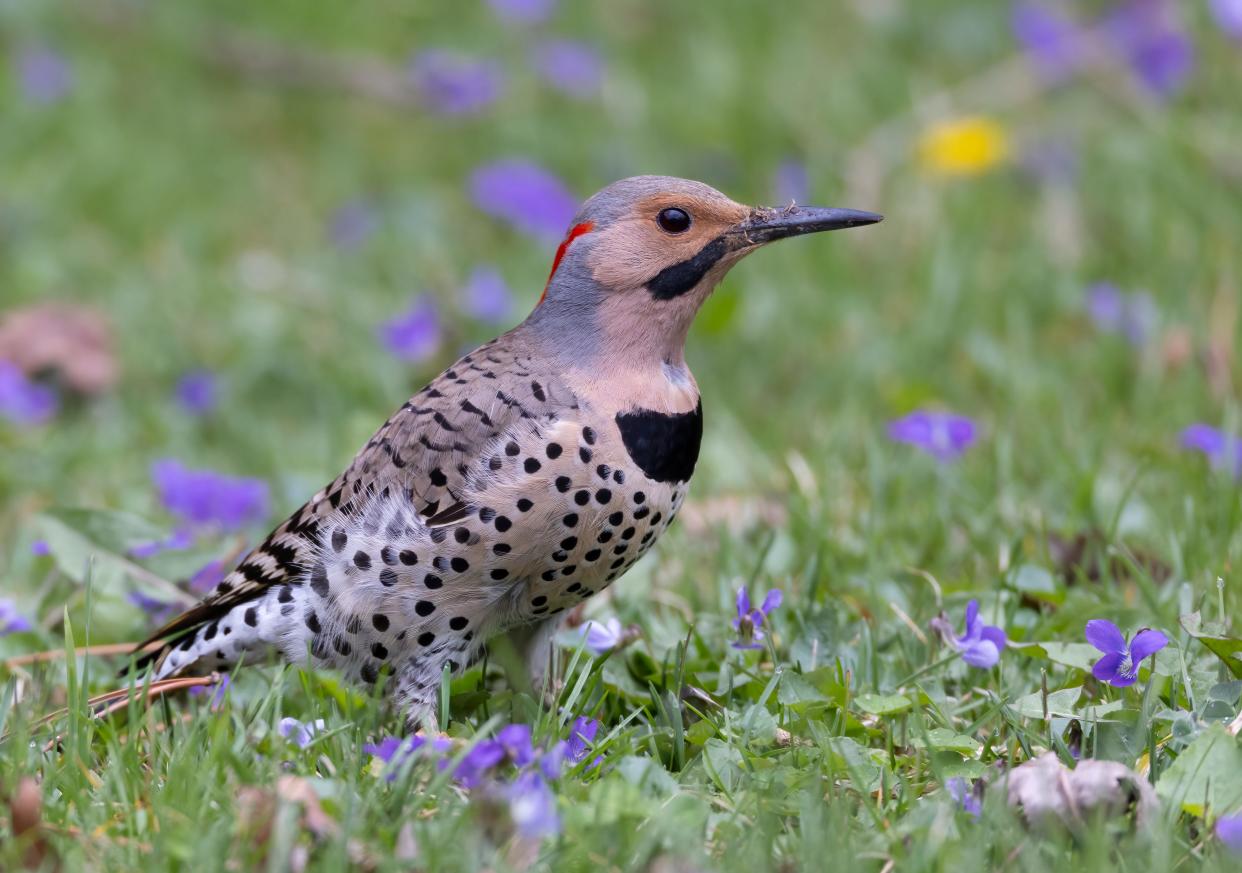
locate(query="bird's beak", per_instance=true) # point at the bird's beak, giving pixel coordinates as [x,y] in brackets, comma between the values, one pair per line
[766,225]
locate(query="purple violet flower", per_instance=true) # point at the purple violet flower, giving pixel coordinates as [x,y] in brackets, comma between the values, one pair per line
[352,224]
[481,757]
[217,691]
[157,609]
[1228,15]
[198,392]
[525,195]
[1229,832]
[394,748]
[551,761]
[10,620]
[791,183]
[299,733]
[964,794]
[1114,311]
[942,435]
[523,11]
[515,740]
[22,401]
[177,540]
[394,751]
[572,67]
[1120,665]
[749,622]
[486,296]
[455,84]
[1158,51]
[980,644]
[1054,43]
[602,637]
[532,806]
[40,549]
[203,498]
[207,576]
[1223,450]
[581,741]
[44,75]
[414,335]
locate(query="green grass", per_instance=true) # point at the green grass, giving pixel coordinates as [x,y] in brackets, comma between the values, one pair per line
[188,202]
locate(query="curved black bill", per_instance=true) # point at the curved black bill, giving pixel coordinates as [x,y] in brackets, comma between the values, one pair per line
[765,225]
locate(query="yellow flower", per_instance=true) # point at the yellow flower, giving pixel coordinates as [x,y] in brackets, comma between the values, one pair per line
[964,146]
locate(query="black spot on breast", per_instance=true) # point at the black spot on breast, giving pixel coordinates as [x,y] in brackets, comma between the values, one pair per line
[664,446]
[319,580]
[678,279]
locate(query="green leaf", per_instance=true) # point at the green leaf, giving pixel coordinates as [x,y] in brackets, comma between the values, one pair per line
[757,723]
[944,740]
[1063,704]
[648,775]
[797,692]
[846,756]
[1080,656]
[700,732]
[1207,773]
[883,704]
[724,760]
[77,537]
[1213,637]
[1038,583]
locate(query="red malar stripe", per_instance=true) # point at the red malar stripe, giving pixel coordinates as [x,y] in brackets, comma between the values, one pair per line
[574,232]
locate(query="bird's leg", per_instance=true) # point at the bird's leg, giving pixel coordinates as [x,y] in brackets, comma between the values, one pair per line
[415,688]
[532,644]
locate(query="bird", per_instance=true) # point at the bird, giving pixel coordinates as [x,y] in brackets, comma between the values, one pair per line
[527,477]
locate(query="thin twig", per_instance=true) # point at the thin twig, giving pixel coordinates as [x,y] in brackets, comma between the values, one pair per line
[102,650]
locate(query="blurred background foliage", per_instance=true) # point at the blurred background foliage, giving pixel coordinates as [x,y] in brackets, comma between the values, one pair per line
[249,193]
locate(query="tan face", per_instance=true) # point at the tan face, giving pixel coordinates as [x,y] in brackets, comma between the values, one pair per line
[659,232]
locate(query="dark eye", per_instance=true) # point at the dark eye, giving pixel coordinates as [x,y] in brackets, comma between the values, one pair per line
[673,220]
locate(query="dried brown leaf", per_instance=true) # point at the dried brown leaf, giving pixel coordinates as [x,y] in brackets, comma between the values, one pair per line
[67,340]
[1049,793]
[26,819]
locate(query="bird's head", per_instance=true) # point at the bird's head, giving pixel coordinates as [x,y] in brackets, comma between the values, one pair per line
[642,255]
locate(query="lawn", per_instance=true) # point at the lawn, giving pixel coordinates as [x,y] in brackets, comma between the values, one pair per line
[273,224]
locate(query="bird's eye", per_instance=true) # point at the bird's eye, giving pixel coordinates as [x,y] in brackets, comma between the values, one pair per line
[673,220]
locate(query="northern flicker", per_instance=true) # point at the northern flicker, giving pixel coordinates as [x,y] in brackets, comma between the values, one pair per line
[528,476]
